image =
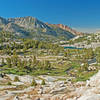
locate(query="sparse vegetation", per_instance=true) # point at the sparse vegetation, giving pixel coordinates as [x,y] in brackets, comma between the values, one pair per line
[43,82]
[9,83]
[33,57]
[16,79]
[33,83]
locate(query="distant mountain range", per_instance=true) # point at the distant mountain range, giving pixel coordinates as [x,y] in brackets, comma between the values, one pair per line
[30,27]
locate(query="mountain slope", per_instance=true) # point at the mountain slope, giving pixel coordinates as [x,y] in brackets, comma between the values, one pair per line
[31,27]
[3,21]
[69,29]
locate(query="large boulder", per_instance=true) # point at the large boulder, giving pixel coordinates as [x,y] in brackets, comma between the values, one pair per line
[17,83]
[91,97]
[94,81]
[26,79]
[11,76]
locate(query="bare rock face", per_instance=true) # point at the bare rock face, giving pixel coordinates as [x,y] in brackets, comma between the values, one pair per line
[92,89]
[26,79]
[95,80]
[17,83]
[54,89]
[28,22]
[92,97]
[68,29]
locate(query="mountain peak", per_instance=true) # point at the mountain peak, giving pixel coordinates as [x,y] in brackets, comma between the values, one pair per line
[33,27]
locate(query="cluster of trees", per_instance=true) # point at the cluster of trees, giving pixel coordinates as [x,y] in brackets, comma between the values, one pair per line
[97,52]
[82,54]
[24,64]
[26,44]
[38,44]
[6,36]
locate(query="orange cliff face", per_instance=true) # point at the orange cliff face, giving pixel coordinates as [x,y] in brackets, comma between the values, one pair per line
[64,27]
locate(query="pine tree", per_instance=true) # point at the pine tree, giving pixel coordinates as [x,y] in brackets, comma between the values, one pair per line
[43,82]
[8,62]
[47,65]
[3,63]
[33,83]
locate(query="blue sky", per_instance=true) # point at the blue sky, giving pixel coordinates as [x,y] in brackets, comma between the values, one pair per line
[83,15]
